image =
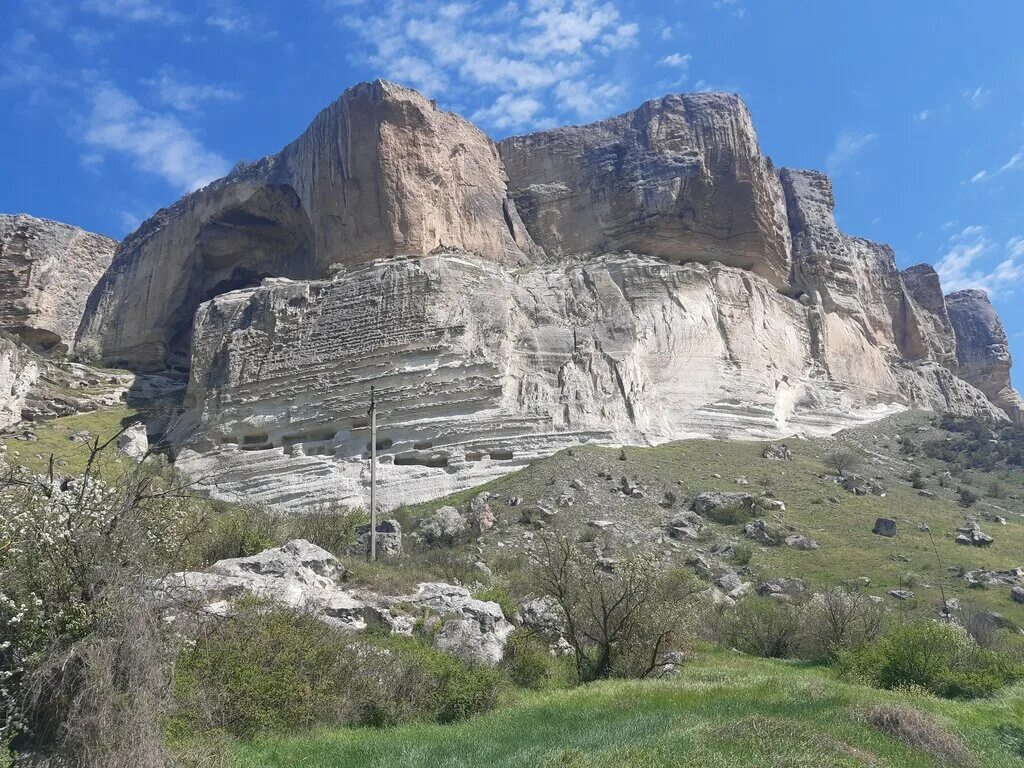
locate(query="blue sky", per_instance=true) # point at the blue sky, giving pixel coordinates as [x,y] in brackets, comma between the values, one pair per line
[114,108]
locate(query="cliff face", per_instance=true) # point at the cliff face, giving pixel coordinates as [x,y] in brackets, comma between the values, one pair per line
[47,270]
[378,173]
[478,370]
[681,178]
[982,349]
[664,281]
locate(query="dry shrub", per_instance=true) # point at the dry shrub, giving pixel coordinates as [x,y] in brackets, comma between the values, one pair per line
[918,730]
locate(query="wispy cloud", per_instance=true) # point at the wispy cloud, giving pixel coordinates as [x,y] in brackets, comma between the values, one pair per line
[732,7]
[231,19]
[977,98]
[512,61]
[154,142]
[185,96]
[923,115]
[679,60]
[1015,163]
[154,11]
[973,260]
[848,145]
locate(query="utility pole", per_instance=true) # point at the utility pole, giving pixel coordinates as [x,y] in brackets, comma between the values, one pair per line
[373,475]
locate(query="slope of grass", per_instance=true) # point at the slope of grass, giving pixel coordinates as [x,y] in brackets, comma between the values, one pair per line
[922,557]
[723,710]
[54,438]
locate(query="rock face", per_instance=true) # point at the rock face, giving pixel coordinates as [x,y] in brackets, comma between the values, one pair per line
[983,352]
[47,270]
[664,282]
[17,375]
[380,172]
[301,575]
[681,178]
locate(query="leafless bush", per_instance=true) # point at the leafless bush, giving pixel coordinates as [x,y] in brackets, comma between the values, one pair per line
[837,620]
[763,627]
[917,730]
[843,461]
[623,622]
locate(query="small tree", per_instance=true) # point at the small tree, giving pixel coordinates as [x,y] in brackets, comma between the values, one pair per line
[967,497]
[843,461]
[619,623]
[837,620]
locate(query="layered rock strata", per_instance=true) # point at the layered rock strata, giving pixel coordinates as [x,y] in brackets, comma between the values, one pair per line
[478,369]
[47,270]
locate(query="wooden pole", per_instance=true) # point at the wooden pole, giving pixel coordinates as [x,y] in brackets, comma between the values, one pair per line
[373,476]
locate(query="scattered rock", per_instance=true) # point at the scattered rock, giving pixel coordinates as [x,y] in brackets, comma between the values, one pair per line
[970,534]
[709,502]
[777,452]
[133,442]
[885,527]
[798,541]
[742,480]
[1017,594]
[481,514]
[566,500]
[686,525]
[902,594]
[766,534]
[782,587]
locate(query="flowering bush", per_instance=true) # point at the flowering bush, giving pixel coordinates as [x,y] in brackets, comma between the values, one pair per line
[65,543]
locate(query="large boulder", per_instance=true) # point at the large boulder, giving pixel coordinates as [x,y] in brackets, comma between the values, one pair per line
[712,503]
[47,270]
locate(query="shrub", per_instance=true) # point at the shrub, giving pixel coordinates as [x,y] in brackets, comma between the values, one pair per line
[837,621]
[742,554]
[967,497]
[332,527]
[919,731]
[628,622]
[734,515]
[530,664]
[499,594]
[270,670]
[239,531]
[763,627]
[917,479]
[939,657]
[843,461]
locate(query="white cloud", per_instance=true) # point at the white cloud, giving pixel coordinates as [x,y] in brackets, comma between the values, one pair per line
[923,115]
[155,143]
[732,7]
[681,60]
[509,111]
[848,145]
[188,97]
[1015,163]
[514,57]
[587,99]
[978,97]
[154,11]
[973,260]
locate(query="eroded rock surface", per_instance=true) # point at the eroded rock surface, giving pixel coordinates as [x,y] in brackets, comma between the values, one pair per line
[47,270]
[681,178]
[380,172]
[982,349]
[304,576]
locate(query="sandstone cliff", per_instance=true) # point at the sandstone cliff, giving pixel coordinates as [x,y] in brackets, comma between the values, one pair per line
[681,178]
[982,349]
[47,270]
[380,172]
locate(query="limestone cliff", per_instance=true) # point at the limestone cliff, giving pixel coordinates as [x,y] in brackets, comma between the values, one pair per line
[982,349]
[681,178]
[47,270]
[380,172]
[479,369]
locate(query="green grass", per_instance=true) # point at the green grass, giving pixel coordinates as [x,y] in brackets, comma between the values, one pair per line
[848,548]
[53,438]
[723,710]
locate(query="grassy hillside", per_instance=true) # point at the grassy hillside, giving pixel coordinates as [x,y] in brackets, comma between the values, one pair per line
[54,437]
[841,522]
[723,710]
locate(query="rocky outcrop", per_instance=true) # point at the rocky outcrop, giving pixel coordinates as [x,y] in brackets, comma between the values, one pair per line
[681,178]
[924,286]
[18,373]
[478,370]
[47,270]
[303,576]
[983,352]
[381,172]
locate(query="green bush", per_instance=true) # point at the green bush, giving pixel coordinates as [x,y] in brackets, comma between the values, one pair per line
[529,663]
[269,670]
[939,657]
[499,594]
[239,531]
[735,515]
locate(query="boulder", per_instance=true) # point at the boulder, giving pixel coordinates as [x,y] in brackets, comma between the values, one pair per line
[686,525]
[885,527]
[133,442]
[543,615]
[764,533]
[1017,594]
[710,502]
[970,534]
[902,594]
[798,541]
[481,515]
[777,452]
[303,576]
[444,527]
[782,585]
[389,539]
